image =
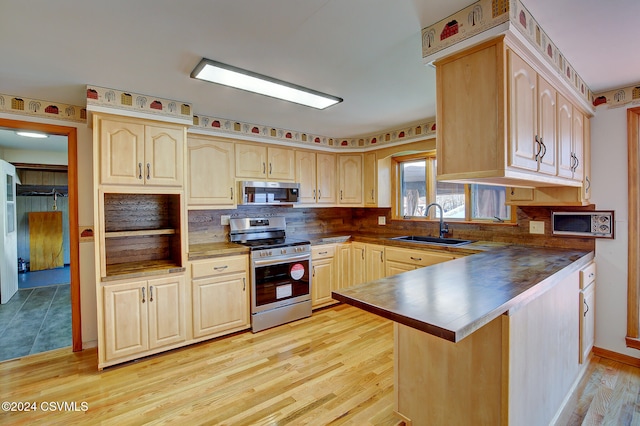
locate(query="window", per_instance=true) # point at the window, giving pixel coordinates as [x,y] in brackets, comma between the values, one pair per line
[417,188]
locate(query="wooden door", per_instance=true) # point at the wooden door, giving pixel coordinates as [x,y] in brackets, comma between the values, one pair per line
[358,270]
[163,156]
[587,321]
[121,152]
[251,161]
[370,172]
[547,116]
[393,268]
[45,240]
[323,276]
[326,178]
[220,304]
[375,262]
[577,133]
[350,179]
[166,311]
[210,173]
[125,319]
[306,176]
[281,164]
[565,149]
[523,111]
[343,266]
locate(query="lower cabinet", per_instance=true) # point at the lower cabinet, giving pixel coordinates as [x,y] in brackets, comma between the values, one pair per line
[374,262]
[343,266]
[220,295]
[402,260]
[587,310]
[323,279]
[358,263]
[143,315]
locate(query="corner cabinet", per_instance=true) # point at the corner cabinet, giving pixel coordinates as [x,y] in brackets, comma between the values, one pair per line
[138,152]
[514,130]
[210,173]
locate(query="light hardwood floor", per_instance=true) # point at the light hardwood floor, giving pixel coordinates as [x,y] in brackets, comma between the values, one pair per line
[331,369]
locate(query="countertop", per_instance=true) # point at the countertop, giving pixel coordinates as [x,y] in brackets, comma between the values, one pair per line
[210,250]
[453,299]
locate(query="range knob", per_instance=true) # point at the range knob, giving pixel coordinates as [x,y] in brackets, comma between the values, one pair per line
[283,251]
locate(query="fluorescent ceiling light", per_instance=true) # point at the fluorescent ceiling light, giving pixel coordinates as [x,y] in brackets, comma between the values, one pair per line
[217,72]
[32,134]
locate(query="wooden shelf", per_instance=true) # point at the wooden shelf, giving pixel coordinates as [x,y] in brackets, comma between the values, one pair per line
[141,269]
[139,233]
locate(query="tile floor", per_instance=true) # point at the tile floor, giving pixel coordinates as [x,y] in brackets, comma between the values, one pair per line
[35,320]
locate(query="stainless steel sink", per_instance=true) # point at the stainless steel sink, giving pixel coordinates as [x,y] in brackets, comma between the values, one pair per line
[432,240]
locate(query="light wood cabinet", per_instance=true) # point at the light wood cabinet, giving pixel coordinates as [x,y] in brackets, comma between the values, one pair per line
[143,315]
[323,274]
[587,310]
[350,179]
[316,174]
[370,179]
[343,266]
[508,105]
[401,259]
[137,152]
[210,173]
[262,162]
[358,263]
[374,262]
[220,296]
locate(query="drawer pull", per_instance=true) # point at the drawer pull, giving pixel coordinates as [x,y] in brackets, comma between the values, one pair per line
[416,258]
[587,308]
[220,268]
[323,252]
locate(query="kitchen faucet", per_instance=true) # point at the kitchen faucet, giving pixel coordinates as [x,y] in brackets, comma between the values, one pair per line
[444,228]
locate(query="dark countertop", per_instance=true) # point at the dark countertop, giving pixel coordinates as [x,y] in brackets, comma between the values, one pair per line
[453,299]
[210,250]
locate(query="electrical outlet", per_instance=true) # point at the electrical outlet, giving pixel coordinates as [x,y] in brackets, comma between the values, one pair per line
[224,219]
[382,220]
[536,227]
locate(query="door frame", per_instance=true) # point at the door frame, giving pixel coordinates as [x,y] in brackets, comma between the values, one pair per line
[74,234]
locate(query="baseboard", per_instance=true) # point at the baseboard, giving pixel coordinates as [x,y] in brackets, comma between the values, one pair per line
[618,357]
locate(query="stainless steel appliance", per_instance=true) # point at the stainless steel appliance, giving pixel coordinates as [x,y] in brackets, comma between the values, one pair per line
[263,193]
[597,224]
[280,271]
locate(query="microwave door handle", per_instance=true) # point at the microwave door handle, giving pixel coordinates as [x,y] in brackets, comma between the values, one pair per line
[267,262]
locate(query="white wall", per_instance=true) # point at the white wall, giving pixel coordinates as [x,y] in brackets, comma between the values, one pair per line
[35,157]
[609,173]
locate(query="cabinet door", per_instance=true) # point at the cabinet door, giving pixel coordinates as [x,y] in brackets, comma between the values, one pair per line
[306,175]
[251,161]
[375,263]
[343,266]
[166,311]
[393,268]
[163,155]
[323,277]
[350,179]
[220,304]
[523,111]
[547,116]
[358,268]
[370,177]
[565,140]
[210,173]
[577,133]
[281,164]
[121,152]
[125,319]
[587,321]
[586,160]
[326,178]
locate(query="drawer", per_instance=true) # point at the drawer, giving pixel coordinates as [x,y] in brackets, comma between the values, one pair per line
[416,257]
[218,266]
[587,275]
[323,251]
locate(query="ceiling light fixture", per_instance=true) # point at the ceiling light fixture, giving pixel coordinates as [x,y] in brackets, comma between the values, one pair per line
[217,72]
[32,135]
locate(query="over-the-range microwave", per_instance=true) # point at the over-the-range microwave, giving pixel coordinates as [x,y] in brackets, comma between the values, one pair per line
[596,224]
[258,192]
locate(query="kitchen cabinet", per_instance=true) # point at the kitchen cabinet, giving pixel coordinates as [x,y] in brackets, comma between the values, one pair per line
[508,104]
[370,179]
[402,260]
[323,275]
[374,262]
[350,179]
[587,310]
[220,296]
[264,162]
[316,174]
[139,152]
[358,263]
[142,315]
[343,266]
[210,173]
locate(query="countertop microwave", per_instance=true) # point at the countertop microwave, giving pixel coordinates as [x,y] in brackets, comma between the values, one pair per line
[596,224]
[259,192]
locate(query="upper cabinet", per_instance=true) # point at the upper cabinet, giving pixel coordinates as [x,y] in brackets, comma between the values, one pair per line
[137,152]
[500,120]
[210,173]
[262,162]
[350,179]
[316,174]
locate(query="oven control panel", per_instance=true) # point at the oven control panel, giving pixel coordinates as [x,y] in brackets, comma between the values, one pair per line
[282,251]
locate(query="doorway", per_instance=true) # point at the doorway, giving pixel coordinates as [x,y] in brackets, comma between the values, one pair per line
[73,290]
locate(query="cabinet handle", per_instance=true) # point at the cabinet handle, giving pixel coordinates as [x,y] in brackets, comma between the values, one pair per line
[544,149]
[150,293]
[577,163]
[244,284]
[372,197]
[148,171]
[231,189]
[314,194]
[314,271]
[381,259]
[270,168]
[264,168]
[588,184]
[416,258]
[591,275]
[539,146]
[362,253]
[587,306]
[323,252]
[319,194]
[139,170]
[341,195]
[143,297]
[220,268]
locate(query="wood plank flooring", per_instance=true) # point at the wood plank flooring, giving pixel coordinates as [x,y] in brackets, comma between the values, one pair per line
[335,368]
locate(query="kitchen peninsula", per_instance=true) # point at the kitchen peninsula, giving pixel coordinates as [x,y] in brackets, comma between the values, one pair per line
[491,338]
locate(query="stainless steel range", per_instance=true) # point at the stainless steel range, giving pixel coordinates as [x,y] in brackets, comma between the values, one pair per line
[280,271]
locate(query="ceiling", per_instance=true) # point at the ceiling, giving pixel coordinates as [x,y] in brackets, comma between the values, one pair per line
[365,51]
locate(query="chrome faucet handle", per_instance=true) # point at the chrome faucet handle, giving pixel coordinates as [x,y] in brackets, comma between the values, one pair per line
[445,230]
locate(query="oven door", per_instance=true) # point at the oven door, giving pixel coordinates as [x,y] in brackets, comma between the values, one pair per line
[280,281]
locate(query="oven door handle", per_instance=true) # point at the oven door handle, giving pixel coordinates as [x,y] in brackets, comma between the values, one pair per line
[267,262]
